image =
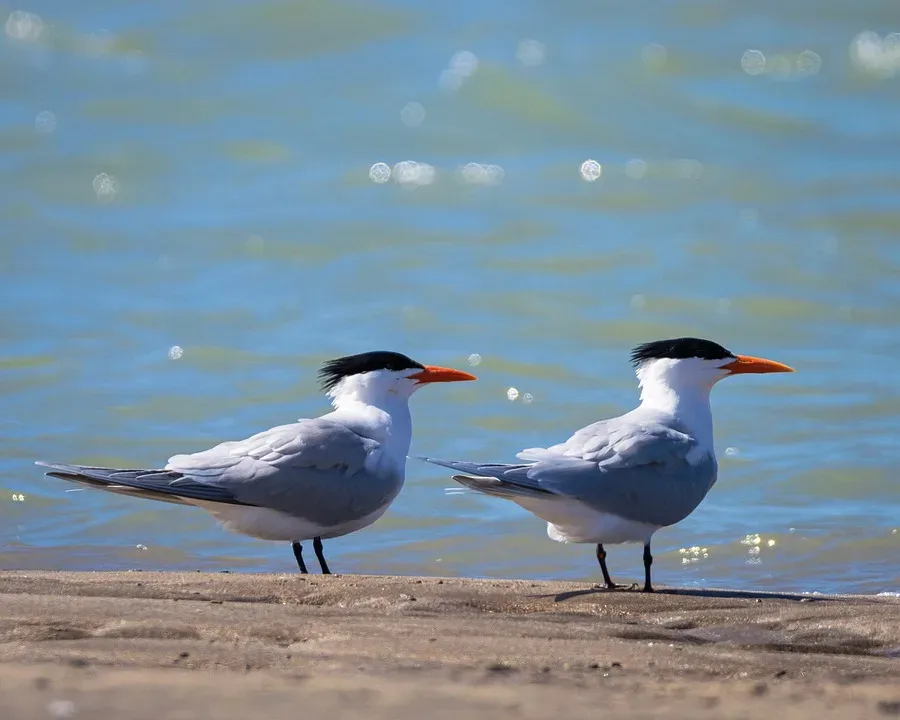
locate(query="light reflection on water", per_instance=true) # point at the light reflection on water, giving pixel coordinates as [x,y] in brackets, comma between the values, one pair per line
[201,204]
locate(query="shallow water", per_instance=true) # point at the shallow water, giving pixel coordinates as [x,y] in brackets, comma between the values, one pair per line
[203,176]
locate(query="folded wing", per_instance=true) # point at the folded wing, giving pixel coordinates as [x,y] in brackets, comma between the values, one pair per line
[642,471]
[310,469]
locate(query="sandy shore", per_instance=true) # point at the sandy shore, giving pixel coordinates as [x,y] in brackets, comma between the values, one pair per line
[139,645]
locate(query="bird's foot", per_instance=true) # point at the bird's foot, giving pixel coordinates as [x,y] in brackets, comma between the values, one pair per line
[615,586]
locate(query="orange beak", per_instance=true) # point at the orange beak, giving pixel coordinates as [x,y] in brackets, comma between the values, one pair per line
[748,364]
[434,373]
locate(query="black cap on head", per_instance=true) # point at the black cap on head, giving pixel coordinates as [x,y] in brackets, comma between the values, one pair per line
[334,371]
[679,349]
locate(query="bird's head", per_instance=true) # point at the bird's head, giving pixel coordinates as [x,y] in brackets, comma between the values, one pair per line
[374,377]
[683,363]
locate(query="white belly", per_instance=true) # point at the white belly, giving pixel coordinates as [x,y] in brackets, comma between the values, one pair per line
[571,521]
[267,524]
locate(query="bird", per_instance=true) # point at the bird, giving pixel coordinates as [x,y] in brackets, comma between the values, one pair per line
[315,479]
[622,479]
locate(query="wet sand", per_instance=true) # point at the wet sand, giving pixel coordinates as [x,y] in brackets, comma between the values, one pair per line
[136,645]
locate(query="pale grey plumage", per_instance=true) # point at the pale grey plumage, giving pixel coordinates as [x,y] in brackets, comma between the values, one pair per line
[310,469]
[635,467]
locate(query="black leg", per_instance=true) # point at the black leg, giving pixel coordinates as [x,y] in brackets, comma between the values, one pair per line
[298,553]
[607,580]
[317,546]
[648,561]
[601,558]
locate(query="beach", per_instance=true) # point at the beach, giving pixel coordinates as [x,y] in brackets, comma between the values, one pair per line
[157,645]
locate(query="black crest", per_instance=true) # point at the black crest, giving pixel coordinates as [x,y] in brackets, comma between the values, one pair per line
[334,371]
[679,349]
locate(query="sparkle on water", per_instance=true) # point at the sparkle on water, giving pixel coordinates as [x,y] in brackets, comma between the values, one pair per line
[531,53]
[550,188]
[590,170]
[412,114]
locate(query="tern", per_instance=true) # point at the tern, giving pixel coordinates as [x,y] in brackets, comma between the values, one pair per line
[620,480]
[316,478]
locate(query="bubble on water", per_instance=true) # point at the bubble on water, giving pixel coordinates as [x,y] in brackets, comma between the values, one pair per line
[413,174]
[464,63]
[22,25]
[731,451]
[479,174]
[45,122]
[753,62]
[753,539]
[894,531]
[462,66]
[512,394]
[474,359]
[18,497]
[693,555]
[655,56]
[380,173]
[590,170]
[106,186]
[412,114]
[770,542]
[176,352]
[527,398]
[638,301]
[450,81]
[61,708]
[635,169]
[793,530]
[808,63]
[531,53]
[874,55]
[141,546]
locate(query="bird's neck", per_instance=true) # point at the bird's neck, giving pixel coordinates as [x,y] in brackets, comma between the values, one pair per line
[685,400]
[381,416]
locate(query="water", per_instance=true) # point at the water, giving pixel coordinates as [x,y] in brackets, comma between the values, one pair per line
[198,176]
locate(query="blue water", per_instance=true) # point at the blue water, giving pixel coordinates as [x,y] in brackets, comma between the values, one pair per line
[199,176]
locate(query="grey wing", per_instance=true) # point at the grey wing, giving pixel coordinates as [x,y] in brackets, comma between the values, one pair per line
[639,471]
[315,469]
[163,485]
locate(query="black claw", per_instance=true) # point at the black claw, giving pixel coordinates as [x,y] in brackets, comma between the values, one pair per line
[317,546]
[298,553]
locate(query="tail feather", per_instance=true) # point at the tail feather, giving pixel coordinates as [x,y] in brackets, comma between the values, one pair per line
[499,488]
[472,468]
[498,479]
[162,485]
